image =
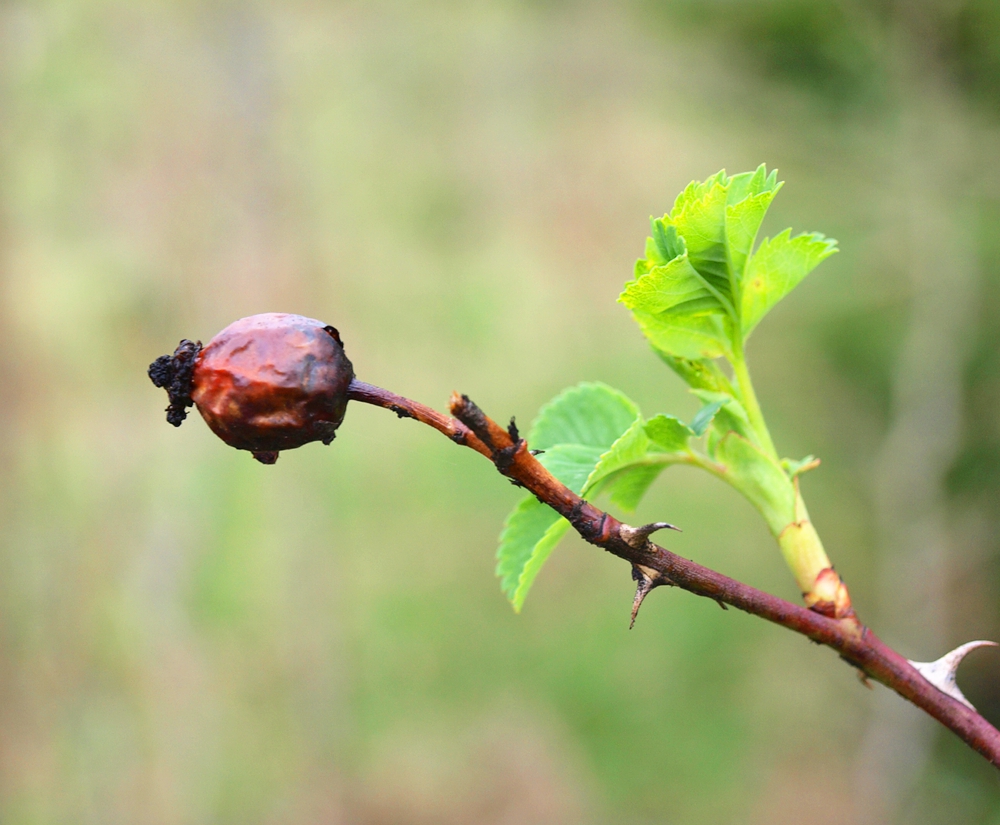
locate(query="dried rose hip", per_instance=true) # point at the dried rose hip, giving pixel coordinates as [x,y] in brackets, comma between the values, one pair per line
[265,383]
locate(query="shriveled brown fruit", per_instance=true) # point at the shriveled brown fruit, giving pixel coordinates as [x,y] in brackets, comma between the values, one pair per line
[265,383]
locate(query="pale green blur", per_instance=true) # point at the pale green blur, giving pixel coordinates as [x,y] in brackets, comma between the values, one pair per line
[187,636]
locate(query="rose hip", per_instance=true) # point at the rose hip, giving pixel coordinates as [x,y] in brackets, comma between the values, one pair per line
[265,383]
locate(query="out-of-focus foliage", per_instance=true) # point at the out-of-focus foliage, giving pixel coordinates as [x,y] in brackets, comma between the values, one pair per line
[189,637]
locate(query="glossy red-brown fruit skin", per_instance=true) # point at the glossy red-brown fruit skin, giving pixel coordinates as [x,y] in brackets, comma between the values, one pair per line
[273,382]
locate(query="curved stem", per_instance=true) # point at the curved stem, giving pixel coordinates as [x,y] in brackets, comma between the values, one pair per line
[653,565]
[407,408]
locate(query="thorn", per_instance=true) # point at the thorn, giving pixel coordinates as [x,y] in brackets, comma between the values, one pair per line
[941,673]
[636,537]
[644,583]
[722,604]
[536,452]
[863,678]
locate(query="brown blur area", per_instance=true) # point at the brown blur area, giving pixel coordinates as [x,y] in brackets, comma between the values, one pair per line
[187,636]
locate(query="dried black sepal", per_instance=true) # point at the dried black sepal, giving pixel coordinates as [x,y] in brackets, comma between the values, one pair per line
[174,374]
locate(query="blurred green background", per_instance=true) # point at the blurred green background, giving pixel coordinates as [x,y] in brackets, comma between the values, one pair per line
[187,636]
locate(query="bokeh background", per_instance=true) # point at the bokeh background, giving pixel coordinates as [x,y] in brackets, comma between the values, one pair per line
[187,636]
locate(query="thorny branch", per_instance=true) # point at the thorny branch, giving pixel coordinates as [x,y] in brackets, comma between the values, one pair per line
[653,566]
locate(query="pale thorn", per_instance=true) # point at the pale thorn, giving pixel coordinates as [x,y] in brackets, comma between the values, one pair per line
[941,673]
[638,536]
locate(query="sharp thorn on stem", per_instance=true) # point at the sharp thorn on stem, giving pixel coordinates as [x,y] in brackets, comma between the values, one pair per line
[536,452]
[645,580]
[638,536]
[863,678]
[941,673]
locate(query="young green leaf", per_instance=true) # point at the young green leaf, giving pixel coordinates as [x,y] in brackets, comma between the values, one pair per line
[776,268]
[628,486]
[750,194]
[593,414]
[703,418]
[589,433]
[702,224]
[572,464]
[749,184]
[699,374]
[673,286]
[542,550]
[668,432]
[529,535]
[700,290]
[693,337]
[629,448]
[666,243]
[731,415]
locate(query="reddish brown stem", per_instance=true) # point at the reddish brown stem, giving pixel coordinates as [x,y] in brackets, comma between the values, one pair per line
[653,565]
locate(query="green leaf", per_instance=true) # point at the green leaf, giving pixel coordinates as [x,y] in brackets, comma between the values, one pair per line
[666,243]
[592,414]
[732,415]
[745,212]
[628,486]
[748,184]
[524,529]
[699,374]
[701,222]
[694,337]
[760,479]
[700,263]
[695,191]
[694,264]
[531,532]
[628,449]
[668,432]
[776,268]
[539,555]
[572,464]
[672,286]
[703,418]
[589,433]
